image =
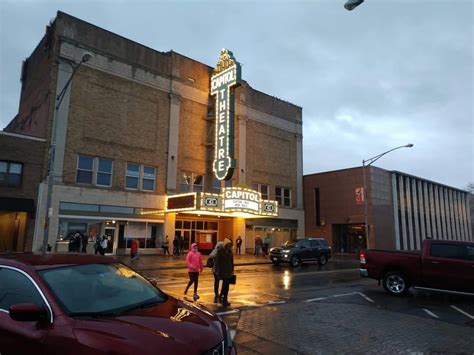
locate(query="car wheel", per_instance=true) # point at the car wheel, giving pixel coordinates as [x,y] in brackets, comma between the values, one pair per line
[323,259]
[395,283]
[295,261]
[276,263]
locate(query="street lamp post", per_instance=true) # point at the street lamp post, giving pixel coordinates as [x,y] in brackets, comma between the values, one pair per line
[52,150]
[369,162]
[352,4]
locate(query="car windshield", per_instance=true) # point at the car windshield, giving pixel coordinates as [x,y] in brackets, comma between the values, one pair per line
[100,289]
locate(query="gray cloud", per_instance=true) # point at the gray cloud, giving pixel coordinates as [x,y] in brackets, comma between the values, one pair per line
[388,73]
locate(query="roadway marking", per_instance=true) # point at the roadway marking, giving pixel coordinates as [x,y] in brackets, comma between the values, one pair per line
[276,302]
[228,312]
[430,313]
[463,312]
[316,299]
[365,297]
[342,295]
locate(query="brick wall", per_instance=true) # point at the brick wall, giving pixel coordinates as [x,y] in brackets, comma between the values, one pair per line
[119,119]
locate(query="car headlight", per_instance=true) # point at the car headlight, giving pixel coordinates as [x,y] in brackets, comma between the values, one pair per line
[285,251]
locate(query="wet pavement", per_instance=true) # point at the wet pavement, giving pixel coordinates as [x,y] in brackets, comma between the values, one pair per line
[328,309]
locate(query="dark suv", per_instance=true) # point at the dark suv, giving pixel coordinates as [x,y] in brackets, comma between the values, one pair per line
[301,250]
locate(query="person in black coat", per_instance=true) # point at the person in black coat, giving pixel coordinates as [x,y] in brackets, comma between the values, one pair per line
[224,269]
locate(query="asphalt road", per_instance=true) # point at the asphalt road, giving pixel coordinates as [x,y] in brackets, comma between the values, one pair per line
[318,310]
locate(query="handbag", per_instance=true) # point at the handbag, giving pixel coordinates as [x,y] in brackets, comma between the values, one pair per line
[233,280]
[210,262]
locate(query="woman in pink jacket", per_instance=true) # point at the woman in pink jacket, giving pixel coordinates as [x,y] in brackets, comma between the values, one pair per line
[194,262]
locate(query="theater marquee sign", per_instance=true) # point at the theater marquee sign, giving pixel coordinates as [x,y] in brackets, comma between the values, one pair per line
[225,78]
[233,199]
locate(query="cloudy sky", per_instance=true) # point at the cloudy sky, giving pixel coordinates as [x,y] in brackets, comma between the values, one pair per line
[388,73]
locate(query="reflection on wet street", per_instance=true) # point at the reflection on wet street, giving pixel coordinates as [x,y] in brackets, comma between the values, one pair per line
[261,284]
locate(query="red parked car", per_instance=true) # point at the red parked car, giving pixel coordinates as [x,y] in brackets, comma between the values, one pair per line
[84,304]
[441,265]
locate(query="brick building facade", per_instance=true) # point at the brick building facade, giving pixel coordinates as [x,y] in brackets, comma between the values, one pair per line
[21,167]
[137,126]
[402,210]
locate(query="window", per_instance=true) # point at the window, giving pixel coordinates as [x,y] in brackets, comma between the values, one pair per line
[10,174]
[303,244]
[104,172]
[140,177]
[191,182]
[133,176]
[148,178]
[317,206]
[94,171]
[449,251]
[283,196]
[216,185]
[17,288]
[263,189]
[314,243]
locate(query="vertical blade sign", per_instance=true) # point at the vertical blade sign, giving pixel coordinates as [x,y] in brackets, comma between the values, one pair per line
[225,78]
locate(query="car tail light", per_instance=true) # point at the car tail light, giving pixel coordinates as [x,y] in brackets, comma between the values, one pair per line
[362,257]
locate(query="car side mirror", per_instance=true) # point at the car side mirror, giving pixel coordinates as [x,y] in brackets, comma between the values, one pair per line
[27,312]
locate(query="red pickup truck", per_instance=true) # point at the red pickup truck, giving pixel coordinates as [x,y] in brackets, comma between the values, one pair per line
[440,266]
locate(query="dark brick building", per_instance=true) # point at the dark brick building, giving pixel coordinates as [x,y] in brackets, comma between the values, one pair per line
[21,164]
[402,210]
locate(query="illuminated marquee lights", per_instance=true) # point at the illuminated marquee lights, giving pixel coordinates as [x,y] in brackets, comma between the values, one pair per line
[233,199]
[226,76]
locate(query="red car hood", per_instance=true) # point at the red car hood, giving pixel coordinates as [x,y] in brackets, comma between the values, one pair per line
[173,327]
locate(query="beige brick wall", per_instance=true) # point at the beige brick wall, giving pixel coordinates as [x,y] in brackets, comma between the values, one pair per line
[271,157]
[114,118]
[195,131]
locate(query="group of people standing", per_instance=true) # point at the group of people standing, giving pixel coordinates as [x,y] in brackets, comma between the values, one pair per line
[78,243]
[262,245]
[221,260]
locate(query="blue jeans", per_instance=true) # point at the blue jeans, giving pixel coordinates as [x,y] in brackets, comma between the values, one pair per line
[258,248]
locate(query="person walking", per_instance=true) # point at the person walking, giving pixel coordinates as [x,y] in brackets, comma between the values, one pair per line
[103,245]
[194,263]
[266,245]
[224,268]
[97,241]
[175,245]
[238,244]
[85,240]
[134,249]
[258,245]
[166,246]
[211,263]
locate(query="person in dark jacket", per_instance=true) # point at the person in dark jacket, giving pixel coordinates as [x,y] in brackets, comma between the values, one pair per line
[224,268]
[84,240]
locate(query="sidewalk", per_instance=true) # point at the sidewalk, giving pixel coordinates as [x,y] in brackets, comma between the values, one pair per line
[161,262]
